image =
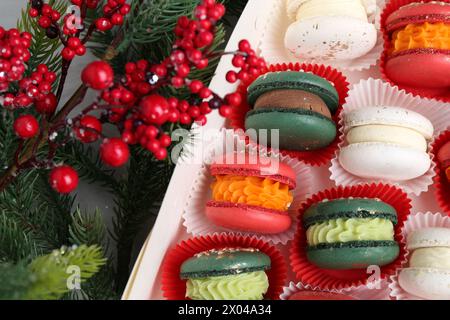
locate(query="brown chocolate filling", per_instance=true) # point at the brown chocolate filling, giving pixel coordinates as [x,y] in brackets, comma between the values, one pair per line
[295,99]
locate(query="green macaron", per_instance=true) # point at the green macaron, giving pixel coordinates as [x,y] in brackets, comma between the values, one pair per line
[350,233]
[226,274]
[224,262]
[302,111]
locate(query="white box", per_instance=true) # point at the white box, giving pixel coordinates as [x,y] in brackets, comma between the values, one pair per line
[145,279]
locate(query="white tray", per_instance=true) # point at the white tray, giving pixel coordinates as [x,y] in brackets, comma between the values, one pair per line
[145,280]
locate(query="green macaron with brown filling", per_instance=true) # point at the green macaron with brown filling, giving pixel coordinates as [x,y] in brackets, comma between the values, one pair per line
[298,104]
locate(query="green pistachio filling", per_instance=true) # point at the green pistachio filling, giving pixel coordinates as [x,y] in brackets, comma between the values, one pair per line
[354,229]
[244,286]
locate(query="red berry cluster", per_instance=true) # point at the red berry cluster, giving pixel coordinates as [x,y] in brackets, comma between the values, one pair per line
[113,14]
[47,15]
[34,89]
[248,62]
[14,54]
[75,47]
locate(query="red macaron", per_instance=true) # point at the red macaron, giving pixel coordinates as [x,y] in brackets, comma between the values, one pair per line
[419,53]
[251,194]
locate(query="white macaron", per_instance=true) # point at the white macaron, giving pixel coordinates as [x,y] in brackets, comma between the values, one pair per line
[428,275]
[329,29]
[387,143]
[376,160]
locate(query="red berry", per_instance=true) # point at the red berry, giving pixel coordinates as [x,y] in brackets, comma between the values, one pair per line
[165,140]
[74,42]
[45,22]
[160,154]
[205,93]
[154,108]
[114,152]
[244,46]
[234,99]
[68,54]
[238,61]
[231,76]
[195,86]
[225,111]
[26,126]
[63,179]
[103,24]
[98,75]
[89,130]
[117,19]
[47,105]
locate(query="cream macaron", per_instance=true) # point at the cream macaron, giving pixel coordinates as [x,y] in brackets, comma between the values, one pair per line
[388,143]
[330,29]
[428,274]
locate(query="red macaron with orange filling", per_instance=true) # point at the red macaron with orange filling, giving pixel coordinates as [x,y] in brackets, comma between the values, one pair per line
[419,52]
[251,193]
[443,157]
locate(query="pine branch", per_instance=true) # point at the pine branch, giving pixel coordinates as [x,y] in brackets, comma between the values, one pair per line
[87,163]
[15,280]
[51,271]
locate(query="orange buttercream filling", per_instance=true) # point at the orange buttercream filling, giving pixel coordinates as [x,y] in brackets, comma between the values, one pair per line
[262,192]
[421,36]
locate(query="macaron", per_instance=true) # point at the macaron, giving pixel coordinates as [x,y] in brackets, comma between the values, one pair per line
[350,233]
[320,295]
[299,105]
[330,29]
[428,273]
[251,193]
[388,143]
[226,274]
[443,157]
[419,49]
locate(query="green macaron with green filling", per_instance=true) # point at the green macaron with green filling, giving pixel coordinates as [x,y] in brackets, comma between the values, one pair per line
[226,274]
[350,233]
[298,104]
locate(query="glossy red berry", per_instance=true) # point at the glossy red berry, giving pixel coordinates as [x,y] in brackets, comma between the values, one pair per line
[89,129]
[114,152]
[26,126]
[155,109]
[98,75]
[103,24]
[47,105]
[68,54]
[63,179]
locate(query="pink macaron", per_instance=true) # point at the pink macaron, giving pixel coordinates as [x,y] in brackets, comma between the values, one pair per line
[251,193]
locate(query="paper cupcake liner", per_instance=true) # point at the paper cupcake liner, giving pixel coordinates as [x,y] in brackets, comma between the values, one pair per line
[391,6]
[362,292]
[327,279]
[194,215]
[174,288]
[373,92]
[273,50]
[414,222]
[440,180]
[336,78]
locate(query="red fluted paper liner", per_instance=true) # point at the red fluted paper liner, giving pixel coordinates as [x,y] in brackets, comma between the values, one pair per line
[336,78]
[440,180]
[194,215]
[327,279]
[414,222]
[361,292]
[375,92]
[391,6]
[174,288]
[273,50]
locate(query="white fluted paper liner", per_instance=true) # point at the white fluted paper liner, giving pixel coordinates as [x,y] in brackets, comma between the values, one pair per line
[273,50]
[375,92]
[362,292]
[414,222]
[196,221]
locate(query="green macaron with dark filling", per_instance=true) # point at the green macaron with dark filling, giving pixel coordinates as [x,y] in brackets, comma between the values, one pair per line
[298,104]
[350,233]
[226,274]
